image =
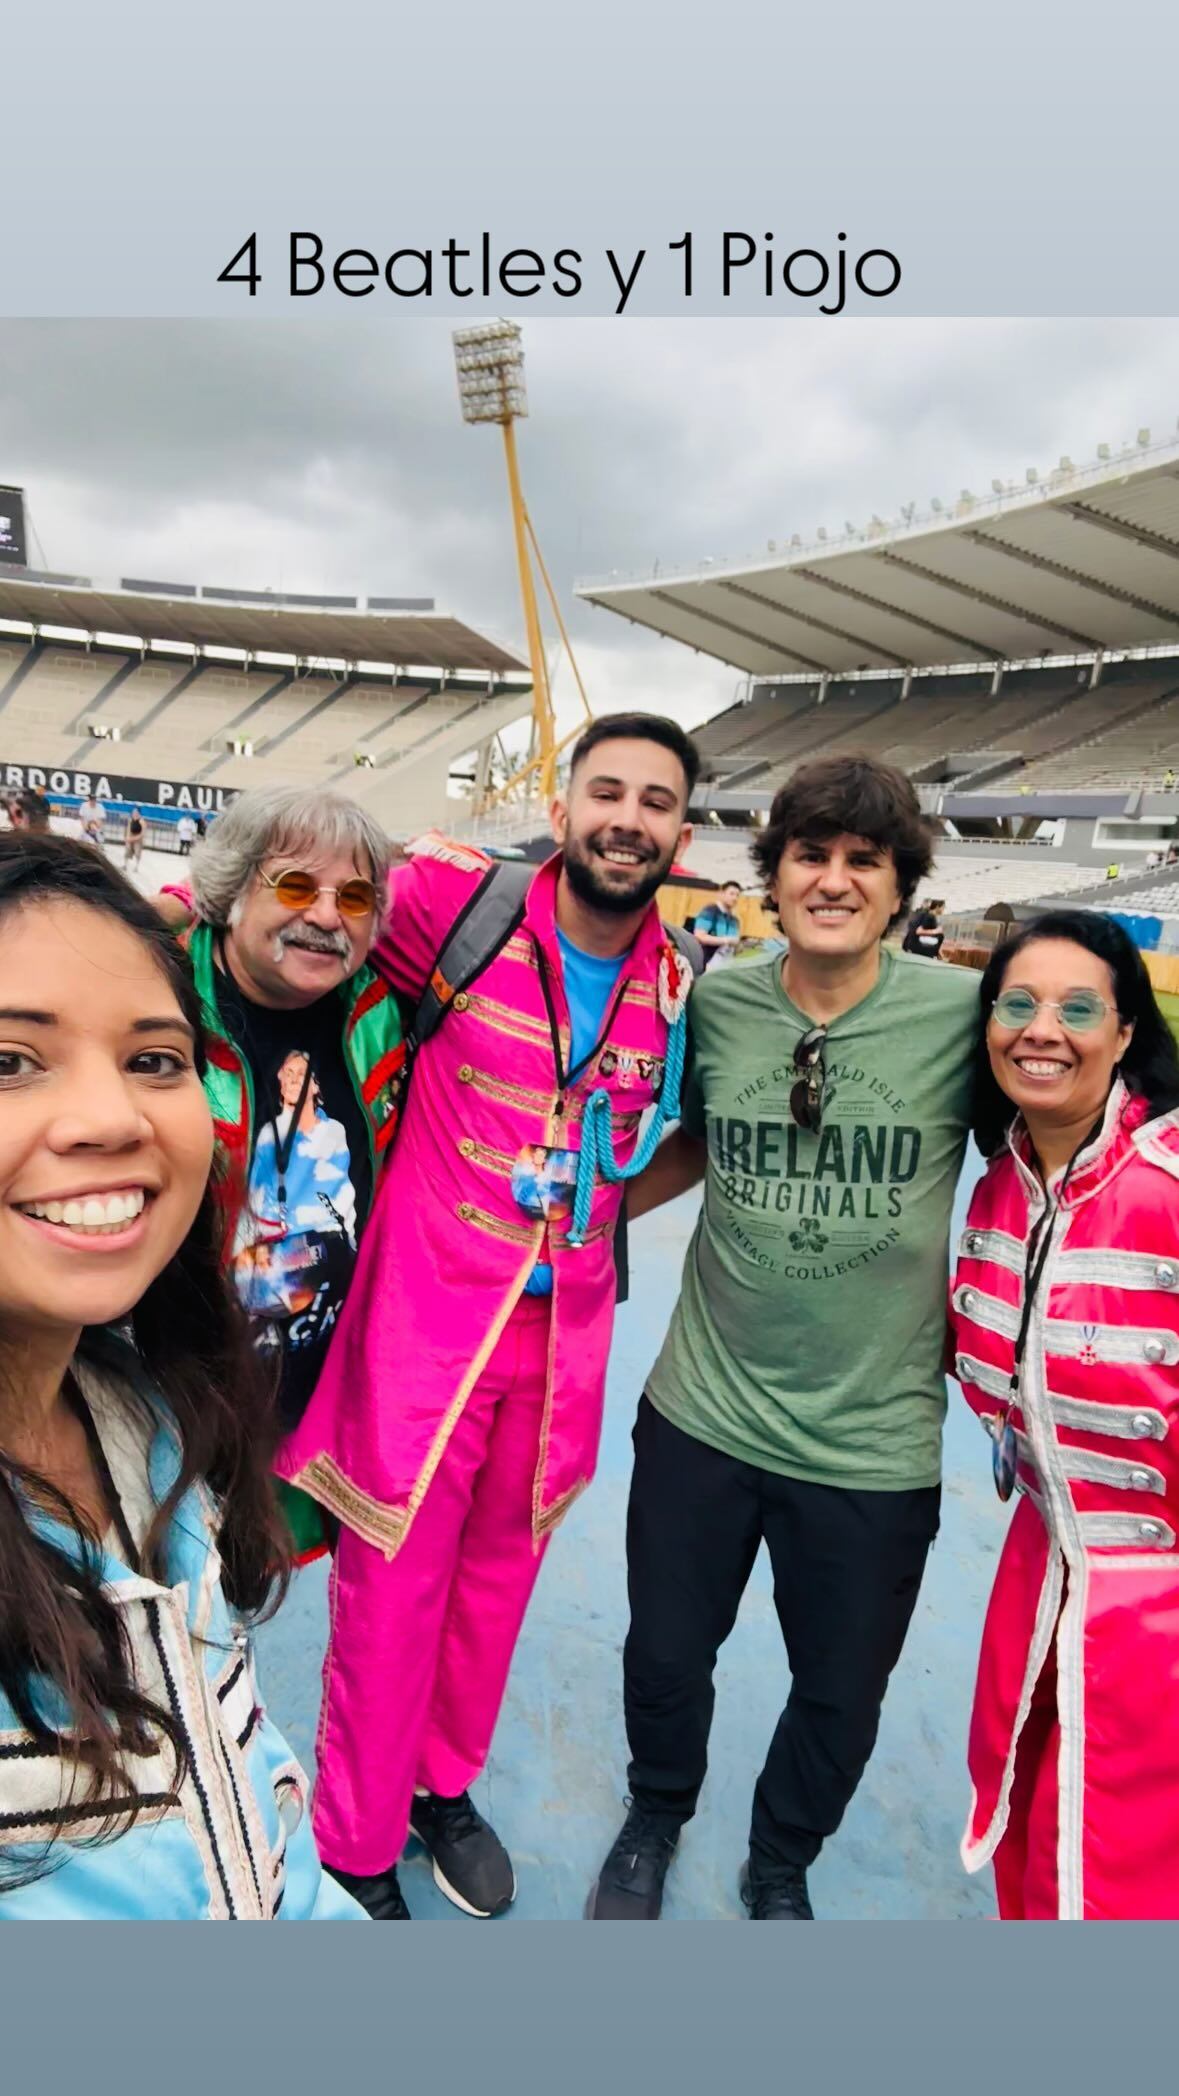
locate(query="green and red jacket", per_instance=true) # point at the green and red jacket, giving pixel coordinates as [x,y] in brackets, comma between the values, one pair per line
[374,1052]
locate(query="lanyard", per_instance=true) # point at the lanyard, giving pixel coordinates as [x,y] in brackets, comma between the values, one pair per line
[284,1145]
[566,1077]
[1039,1245]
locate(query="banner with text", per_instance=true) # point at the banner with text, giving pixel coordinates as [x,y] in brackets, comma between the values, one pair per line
[113,786]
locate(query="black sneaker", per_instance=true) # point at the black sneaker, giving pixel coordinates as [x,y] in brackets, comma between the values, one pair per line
[471,1865]
[380,1896]
[776,1892]
[630,1887]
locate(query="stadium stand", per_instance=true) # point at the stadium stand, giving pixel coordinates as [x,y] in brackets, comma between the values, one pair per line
[1135,750]
[1123,732]
[196,719]
[1153,892]
[1020,645]
[974,886]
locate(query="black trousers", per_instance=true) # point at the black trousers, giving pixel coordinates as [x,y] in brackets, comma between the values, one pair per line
[847,1567]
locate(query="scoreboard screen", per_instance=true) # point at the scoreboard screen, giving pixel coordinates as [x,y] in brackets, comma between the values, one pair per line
[13,548]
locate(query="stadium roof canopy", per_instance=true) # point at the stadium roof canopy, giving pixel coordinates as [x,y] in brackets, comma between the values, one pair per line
[1085,561]
[383,630]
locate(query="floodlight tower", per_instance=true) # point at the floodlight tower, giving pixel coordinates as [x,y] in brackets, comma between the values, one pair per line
[489,361]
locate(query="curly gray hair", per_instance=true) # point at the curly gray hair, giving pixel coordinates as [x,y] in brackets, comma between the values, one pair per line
[275,820]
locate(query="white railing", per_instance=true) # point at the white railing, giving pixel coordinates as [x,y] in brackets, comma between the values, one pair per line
[1131,458]
[501,825]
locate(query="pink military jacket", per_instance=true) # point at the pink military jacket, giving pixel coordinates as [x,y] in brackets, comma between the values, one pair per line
[447,1250]
[1089,1568]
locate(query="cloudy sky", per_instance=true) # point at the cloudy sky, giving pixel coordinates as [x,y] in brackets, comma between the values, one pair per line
[331,456]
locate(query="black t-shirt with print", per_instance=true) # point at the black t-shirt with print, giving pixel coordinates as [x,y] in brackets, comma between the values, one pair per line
[310,1184]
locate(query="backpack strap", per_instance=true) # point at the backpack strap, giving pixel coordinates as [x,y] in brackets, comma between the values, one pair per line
[491,913]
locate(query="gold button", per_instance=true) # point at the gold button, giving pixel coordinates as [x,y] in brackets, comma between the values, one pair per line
[466,1147]
[464,1211]
[461,1001]
[465,1073]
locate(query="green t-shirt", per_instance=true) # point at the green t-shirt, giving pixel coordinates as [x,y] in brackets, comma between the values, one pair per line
[809,1333]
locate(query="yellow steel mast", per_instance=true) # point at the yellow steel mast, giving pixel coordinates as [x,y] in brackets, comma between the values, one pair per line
[490,365]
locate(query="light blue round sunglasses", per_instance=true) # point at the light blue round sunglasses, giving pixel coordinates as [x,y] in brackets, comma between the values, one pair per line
[1082,1011]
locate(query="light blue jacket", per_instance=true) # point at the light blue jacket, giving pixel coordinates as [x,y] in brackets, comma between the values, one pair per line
[236,1843]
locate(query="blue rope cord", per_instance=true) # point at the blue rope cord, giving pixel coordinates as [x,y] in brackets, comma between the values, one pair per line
[597,1139]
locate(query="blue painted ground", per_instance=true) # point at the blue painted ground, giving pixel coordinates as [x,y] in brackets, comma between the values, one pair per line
[555,1783]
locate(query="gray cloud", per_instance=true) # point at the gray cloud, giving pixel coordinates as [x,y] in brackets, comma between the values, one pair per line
[330,455]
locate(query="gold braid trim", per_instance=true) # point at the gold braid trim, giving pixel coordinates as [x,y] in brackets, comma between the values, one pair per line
[547,1519]
[489,1160]
[374,1522]
[508,1094]
[542,1453]
[521,1025]
[515,1233]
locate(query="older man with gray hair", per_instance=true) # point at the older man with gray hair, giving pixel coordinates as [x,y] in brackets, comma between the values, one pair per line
[304,1048]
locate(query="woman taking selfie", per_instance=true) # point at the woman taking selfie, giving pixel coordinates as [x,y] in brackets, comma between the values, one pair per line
[139,1778]
[1066,1324]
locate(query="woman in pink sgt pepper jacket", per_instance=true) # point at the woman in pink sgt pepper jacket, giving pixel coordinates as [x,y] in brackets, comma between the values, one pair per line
[1066,1323]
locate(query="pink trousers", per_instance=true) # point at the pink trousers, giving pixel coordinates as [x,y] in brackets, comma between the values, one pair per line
[420,1647]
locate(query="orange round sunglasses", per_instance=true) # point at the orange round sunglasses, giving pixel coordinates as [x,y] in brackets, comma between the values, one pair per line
[296,889]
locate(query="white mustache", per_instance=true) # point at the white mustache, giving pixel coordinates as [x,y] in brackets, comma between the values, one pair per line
[310,936]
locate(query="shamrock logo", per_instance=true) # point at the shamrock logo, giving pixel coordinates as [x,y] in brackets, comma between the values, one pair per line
[808,1237]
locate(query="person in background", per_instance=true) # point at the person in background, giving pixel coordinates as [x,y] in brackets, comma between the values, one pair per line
[31,813]
[718,927]
[186,831]
[92,818]
[133,850]
[1066,1326]
[924,935]
[140,1777]
[799,1396]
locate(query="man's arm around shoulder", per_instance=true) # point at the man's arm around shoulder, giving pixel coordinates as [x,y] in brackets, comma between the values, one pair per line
[678,1164]
[426,893]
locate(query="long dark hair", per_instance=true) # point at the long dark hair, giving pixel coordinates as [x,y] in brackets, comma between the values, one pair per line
[58,1630]
[1150,1065]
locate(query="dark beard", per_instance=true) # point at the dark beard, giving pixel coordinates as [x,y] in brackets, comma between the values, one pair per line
[597,894]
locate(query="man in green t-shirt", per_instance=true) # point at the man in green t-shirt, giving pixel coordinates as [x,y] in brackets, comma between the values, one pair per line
[799,1395]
